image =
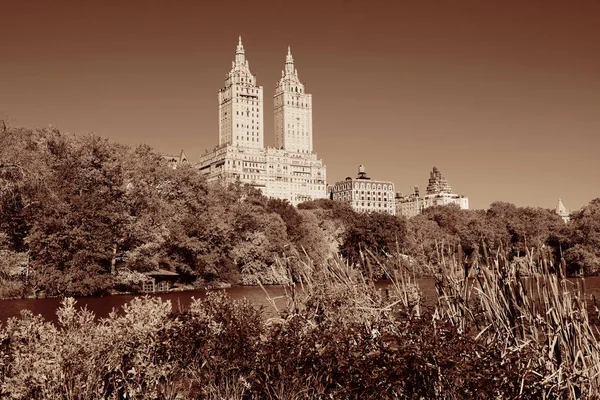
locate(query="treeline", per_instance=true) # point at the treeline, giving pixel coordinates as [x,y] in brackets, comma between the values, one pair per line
[431,238]
[81,215]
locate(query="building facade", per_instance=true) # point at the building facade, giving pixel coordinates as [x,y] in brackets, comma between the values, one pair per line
[241,105]
[288,171]
[293,111]
[364,194]
[409,205]
[439,193]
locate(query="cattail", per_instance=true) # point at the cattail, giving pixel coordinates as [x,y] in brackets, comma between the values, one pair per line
[485,254]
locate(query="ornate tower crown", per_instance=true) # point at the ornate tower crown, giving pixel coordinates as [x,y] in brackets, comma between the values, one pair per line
[437,183]
[289,76]
[240,68]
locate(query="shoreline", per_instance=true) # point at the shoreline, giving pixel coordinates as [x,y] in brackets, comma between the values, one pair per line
[213,286]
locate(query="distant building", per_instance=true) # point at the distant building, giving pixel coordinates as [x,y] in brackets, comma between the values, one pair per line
[437,183]
[174,161]
[409,205]
[290,170]
[562,211]
[439,193]
[364,194]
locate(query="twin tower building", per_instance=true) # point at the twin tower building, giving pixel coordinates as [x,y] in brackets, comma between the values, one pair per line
[290,170]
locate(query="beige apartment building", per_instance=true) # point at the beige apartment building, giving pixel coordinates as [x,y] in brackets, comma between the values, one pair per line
[288,171]
[365,194]
[439,193]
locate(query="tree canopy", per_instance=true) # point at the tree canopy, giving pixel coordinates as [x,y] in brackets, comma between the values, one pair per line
[75,211]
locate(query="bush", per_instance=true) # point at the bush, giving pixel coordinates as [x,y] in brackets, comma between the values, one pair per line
[216,340]
[337,338]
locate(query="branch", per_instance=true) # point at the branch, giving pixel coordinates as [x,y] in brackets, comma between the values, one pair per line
[23,170]
[13,166]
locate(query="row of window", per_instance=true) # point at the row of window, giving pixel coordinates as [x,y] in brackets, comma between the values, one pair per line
[248,114]
[246,80]
[246,100]
[297,104]
[299,171]
[363,186]
[247,126]
[368,205]
[304,182]
[362,193]
[247,138]
[248,90]
[346,196]
[253,164]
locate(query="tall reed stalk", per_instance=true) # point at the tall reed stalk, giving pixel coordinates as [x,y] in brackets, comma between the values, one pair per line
[542,313]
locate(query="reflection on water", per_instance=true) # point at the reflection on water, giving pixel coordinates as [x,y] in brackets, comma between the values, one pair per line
[102,306]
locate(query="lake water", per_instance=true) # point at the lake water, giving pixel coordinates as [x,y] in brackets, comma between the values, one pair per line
[102,306]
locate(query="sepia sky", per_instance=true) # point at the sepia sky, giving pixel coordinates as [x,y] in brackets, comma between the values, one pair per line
[502,96]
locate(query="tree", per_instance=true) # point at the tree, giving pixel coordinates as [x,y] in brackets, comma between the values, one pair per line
[380,233]
[584,256]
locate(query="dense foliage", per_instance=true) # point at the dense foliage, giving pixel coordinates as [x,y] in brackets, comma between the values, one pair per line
[492,335]
[435,234]
[81,215]
[503,226]
[340,342]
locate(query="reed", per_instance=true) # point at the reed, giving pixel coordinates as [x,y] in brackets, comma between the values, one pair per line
[496,332]
[542,314]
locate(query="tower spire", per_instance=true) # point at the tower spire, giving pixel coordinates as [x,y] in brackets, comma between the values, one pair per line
[289,62]
[240,46]
[240,57]
[562,211]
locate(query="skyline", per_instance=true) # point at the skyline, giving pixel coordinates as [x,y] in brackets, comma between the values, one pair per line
[516,87]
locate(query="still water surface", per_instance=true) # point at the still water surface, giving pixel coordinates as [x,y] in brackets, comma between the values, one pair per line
[102,306]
